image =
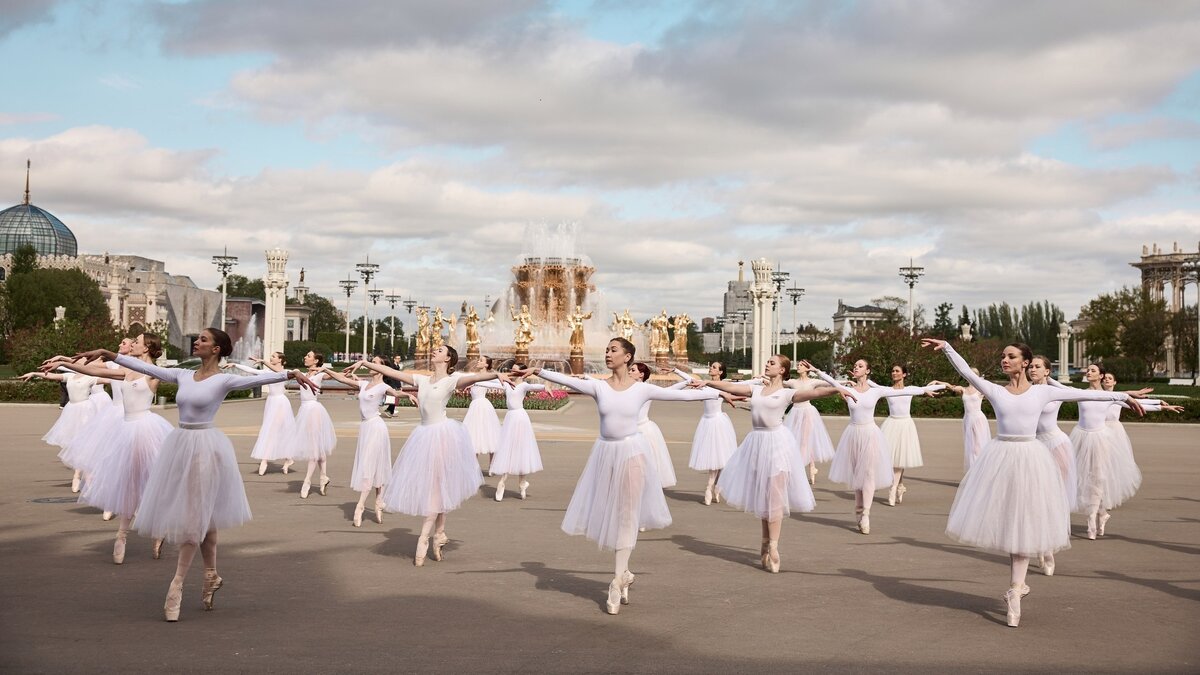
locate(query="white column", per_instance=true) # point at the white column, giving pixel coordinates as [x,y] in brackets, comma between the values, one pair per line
[275,283]
[1064,342]
[763,293]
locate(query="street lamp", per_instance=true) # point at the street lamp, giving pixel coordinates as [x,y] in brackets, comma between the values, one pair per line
[224,263]
[409,304]
[910,275]
[745,314]
[375,294]
[795,294]
[348,285]
[392,299]
[367,270]
[780,278]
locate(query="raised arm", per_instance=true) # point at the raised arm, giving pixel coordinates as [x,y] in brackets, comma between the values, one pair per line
[986,388]
[93,369]
[137,365]
[911,391]
[347,380]
[467,380]
[822,391]
[401,375]
[737,389]
[243,367]
[261,379]
[583,386]
[663,394]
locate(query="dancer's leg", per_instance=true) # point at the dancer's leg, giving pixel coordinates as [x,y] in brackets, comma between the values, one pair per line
[208,550]
[423,540]
[304,489]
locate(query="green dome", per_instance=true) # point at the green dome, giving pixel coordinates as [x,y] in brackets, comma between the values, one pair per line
[27,224]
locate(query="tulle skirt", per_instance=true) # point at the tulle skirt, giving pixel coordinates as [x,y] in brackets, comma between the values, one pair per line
[73,418]
[1059,445]
[1012,501]
[713,444]
[194,487]
[901,435]
[862,456]
[372,457]
[517,452]
[618,492]
[483,425]
[275,434]
[313,437]
[83,453]
[1123,445]
[435,472]
[1106,475]
[806,425]
[766,475]
[659,453]
[129,454]
[976,434]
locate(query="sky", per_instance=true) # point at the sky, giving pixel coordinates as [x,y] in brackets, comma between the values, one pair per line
[1017,151]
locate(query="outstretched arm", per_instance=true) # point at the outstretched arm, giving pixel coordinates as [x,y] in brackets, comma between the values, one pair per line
[722,385]
[465,381]
[661,394]
[348,380]
[401,375]
[137,365]
[583,386]
[911,391]
[986,388]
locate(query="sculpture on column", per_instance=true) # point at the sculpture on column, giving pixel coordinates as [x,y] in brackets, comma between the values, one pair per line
[624,325]
[435,331]
[660,339]
[523,335]
[471,324]
[679,345]
[422,352]
[452,331]
[575,323]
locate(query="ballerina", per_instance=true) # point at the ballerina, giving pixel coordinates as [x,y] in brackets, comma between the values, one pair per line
[195,488]
[517,452]
[87,449]
[373,454]
[619,491]
[1012,501]
[976,432]
[805,423]
[128,449]
[715,440]
[436,470]
[665,468]
[863,457]
[481,420]
[75,417]
[766,475]
[901,434]
[313,438]
[278,422]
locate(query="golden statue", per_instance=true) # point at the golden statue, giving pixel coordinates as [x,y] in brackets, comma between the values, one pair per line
[660,339]
[679,345]
[524,332]
[471,323]
[422,331]
[575,323]
[452,331]
[435,332]
[624,325]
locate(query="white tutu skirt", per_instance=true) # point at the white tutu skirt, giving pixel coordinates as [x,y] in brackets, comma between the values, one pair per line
[1059,445]
[618,492]
[517,452]
[483,425]
[83,453]
[1123,446]
[659,452]
[73,418]
[1012,501]
[862,455]
[435,472]
[901,435]
[766,475]
[805,424]
[1106,475]
[275,434]
[313,437]
[194,487]
[976,434]
[713,444]
[372,457]
[129,454]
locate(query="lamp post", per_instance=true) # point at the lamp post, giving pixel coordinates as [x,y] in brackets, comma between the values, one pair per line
[367,270]
[745,314]
[348,285]
[1191,269]
[780,278]
[795,294]
[392,299]
[910,275]
[375,294]
[224,263]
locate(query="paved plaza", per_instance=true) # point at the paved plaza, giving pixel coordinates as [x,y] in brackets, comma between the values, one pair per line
[305,591]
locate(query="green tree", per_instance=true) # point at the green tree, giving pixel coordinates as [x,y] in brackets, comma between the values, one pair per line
[24,259]
[34,295]
[325,317]
[943,324]
[238,286]
[1127,323]
[30,346]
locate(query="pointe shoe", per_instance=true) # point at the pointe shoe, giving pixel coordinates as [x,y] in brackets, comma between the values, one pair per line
[812,475]
[864,525]
[422,549]
[1091,526]
[75,484]
[379,511]
[524,485]
[763,555]
[108,515]
[304,490]
[1048,567]
[439,541]
[287,465]
[262,467]
[717,495]
[892,496]
[900,493]
[212,583]
[1012,598]
[773,557]
[157,552]
[627,579]
[613,604]
[708,496]
[324,484]
[173,602]
[358,513]
[119,550]
[1100,523]
[500,491]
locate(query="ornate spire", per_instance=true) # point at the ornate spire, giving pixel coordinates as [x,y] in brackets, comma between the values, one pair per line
[27,165]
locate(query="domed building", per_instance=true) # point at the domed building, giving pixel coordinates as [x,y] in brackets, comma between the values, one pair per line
[28,224]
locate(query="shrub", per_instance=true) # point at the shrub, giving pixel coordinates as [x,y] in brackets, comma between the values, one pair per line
[28,347]
[37,391]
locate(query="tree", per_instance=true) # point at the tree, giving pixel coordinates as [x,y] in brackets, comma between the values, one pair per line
[943,325]
[896,312]
[1127,323]
[238,286]
[32,297]
[325,317]
[24,259]
[30,346]
[1035,324]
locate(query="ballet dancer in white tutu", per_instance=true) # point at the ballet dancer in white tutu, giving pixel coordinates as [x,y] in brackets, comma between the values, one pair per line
[517,452]
[74,419]
[715,440]
[313,438]
[863,461]
[805,424]
[1012,499]
[278,423]
[766,475]
[619,491]
[373,454]
[665,468]
[195,488]
[901,434]
[1057,442]
[976,432]
[129,449]
[436,470]
[481,420]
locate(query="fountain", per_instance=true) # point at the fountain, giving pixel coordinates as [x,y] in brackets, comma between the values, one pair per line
[248,346]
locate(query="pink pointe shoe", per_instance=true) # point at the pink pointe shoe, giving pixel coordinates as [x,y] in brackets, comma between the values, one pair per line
[212,583]
[119,550]
[173,602]
[1101,522]
[1012,598]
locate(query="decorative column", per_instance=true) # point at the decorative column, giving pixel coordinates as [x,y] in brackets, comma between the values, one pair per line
[762,291]
[1064,352]
[275,283]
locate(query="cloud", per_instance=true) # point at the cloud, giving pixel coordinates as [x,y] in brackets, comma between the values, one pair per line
[1118,136]
[27,118]
[17,14]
